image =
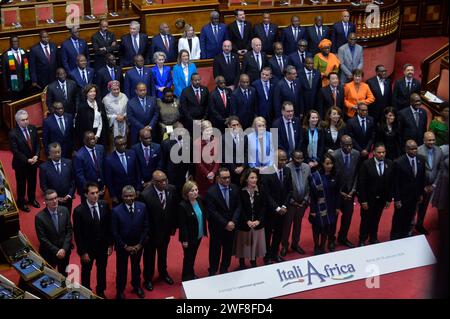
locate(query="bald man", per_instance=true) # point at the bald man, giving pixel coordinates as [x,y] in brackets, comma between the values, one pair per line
[161,201]
[412,120]
[341,30]
[409,184]
[227,65]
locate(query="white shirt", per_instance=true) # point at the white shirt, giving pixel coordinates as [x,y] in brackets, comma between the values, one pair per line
[317,30]
[186,72]
[57,163]
[377,164]
[96,208]
[381,83]
[90,153]
[128,207]
[410,159]
[97,118]
[159,194]
[360,119]
[59,123]
[85,73]
[43,46]
[291,128]
[258,58]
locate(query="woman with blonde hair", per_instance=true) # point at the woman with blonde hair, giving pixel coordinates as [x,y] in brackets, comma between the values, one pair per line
[190,42]
[161,75]
[261,152]
[182,72]
[325,61]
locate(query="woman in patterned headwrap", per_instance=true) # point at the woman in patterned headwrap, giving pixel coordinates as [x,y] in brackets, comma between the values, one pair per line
[325,61]
[116,109]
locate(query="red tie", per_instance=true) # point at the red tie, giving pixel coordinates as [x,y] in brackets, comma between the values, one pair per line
[166,43]
[197,93]
[27,135]
[18,57]
[47,54]
[224,99]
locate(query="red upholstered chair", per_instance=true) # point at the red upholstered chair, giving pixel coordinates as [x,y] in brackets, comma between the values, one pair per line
[442,89]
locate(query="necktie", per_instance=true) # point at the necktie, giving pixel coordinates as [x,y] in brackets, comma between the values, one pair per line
[162,200]
[113,75]
[61,125]
[124,162]
[95,215]
[224,99]
[27,135]
[84,76]
[280,176]
[416,118]
[55,221]
[241,29]
[140,73]
[143,103]
[95,160]
[166,42]
[290,137]
[310,79]
[334,96]
[18,57]
[47,53]
[347,161]
[130,209]
[300,187]
[215,33]
[295,34]
[228,59]
[135,44]
[197,94]
[303,57]
[58,169]
[77,47]
[345,30]
[380,168]
[146,155]
[63,88]
[266,89]
[226,196]
[413,166]
[280,63]
[257,62]
[246,94]
[319,33]
[363,125]
[408,86]
[292,87]
[266,27]
[430,158]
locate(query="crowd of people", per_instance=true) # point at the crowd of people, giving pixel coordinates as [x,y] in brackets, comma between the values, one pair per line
[321,137]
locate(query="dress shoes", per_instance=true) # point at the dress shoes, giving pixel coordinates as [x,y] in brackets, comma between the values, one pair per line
[35,204]
[120,296]
[422,230]
[24,208]
[298,250]
[331,246]
[361,243]
[278,259]
[346,242]
[375,241]
[139,292]
[283,251]
[167,279]
[148,285]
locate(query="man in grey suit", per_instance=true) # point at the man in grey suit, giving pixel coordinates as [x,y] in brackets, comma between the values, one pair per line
[351,57]
[299,202]
[347,163]
[433,156]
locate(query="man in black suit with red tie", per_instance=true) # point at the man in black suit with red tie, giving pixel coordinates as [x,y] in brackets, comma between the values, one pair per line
[374,193]
[15,74]
[25,146]
[92,231]
[194,101]
[43,62]
[221,104]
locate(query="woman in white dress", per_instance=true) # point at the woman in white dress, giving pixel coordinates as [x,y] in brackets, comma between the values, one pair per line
[190,42]
[116,109]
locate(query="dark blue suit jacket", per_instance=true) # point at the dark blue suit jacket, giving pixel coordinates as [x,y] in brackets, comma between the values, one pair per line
[138,118]
[361,140]
[294,59]
[209,46]
[127,52]
[313,37]
[277,73]
[158,45]
[63,184]
[42,71]
[287,38]
[164,80]
[338,37]
[259,31]
[264,106]
[76,76]
[243,108]
[85,170]
[408,128]
[52,133]
[283,141]
[129,229]
[282,92]
[155,162]
[132,79]
[115,175]
[310,94]
[69,53]
[102,77]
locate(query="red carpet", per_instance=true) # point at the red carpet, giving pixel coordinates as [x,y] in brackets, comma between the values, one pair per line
[409,284]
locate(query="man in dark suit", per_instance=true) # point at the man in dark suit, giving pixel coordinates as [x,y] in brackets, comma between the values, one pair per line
[240,33]
[15,74]
[164,42]
[233,151]
[331,95]
[54,232]
[224,208]
[92,232]
[347,164]
[291,35]
[25,146]
[58,127]
[310,81]
[362,129]
[194,102]
[148,156]
[138,74]
[413,121]
[404,87]
[88,163]
[57,174]
[298,57]
[316,33]
[221,103]
[65,91]
[129,224]
[43,62]
[107,73]
[289,129]
[288,89]
[278,62]
[103,42]
[212,36]
[267,32]
[141,112]
[375,179]
[278,186]
[121,169]
[264,94]
[341,30]
[132,44]
[161,200]
[254,61]
[409,184]
[380,85]
[227,65]
[245,101]
[71,48]
[82,74]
